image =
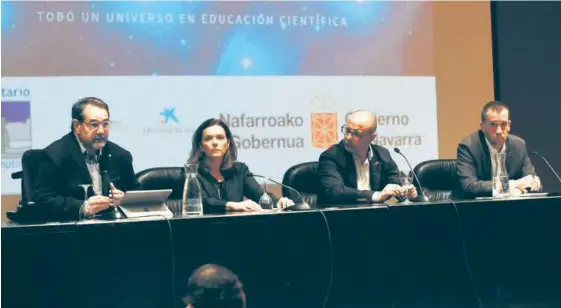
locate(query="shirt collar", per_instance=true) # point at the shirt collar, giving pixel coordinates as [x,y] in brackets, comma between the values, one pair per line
[492,148]
[369,156]
[83,149]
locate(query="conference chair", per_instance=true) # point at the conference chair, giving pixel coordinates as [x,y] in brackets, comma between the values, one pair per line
[304,178]
[438,178]
[26,210]
[164,178]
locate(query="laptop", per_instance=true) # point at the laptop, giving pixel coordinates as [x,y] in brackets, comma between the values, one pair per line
[143,203]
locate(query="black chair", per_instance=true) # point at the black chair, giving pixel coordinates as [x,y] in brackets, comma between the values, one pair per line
[164,178]
[304,178]
[438,178]
[27,210]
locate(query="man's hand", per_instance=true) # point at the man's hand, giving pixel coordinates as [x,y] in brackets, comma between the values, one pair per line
[284,202]
[535,183]
[409,191]
[96,204]
[529,181]
[389,191]
[516,192]
[115,195]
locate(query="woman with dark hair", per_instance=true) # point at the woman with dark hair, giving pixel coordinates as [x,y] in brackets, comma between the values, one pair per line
[224,181]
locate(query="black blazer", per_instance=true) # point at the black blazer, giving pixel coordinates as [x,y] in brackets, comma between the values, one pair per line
[234,188]
[337,174]
[63,168]
[474,166]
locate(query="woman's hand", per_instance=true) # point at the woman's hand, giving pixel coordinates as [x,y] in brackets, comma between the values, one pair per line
[243,206]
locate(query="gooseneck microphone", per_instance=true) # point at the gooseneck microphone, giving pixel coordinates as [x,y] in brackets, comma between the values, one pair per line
[552,170]
[424,197]
[303,205]
[106,185]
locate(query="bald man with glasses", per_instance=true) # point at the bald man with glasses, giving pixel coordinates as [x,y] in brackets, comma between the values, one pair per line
[355,170]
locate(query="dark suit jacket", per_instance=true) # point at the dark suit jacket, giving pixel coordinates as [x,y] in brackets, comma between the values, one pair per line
[337,174]
[63,168]
[474,166]
[234,188]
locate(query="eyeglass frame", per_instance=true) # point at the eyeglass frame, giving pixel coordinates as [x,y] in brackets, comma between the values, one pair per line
[354,133]
[106,124]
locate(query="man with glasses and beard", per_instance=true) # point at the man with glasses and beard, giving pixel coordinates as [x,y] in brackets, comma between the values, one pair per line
[355,170]
[83,157]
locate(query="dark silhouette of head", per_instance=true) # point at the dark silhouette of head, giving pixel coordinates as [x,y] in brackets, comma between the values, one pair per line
[214,286]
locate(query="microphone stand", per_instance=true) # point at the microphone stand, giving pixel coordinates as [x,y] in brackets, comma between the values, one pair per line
[422,197]
[551,194]
[303,205]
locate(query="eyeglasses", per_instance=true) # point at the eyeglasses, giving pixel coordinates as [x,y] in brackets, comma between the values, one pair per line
[94,125]
[354,133]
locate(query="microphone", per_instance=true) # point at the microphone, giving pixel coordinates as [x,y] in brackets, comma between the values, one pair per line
[105,179]
[106,185]
[303,205]
[552,170]
[424,197]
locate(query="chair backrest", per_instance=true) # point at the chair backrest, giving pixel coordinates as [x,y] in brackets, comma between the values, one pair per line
[163,178]
[438,177]
[30,164]
[304,178]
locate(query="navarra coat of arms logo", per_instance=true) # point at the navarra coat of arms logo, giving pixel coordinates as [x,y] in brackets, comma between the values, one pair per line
[324,127]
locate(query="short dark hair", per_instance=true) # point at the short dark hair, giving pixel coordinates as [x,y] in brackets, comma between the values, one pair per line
[214,286]
[197,155]
[495,106]
[80,105]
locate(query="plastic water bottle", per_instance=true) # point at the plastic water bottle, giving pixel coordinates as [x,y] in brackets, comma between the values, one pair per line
[192,203]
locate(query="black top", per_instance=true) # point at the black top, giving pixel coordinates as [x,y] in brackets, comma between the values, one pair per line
[337,173]
[234,188]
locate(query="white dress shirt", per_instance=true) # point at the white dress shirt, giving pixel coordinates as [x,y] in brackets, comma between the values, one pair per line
[92,162]
[363,174]
[495,160]
[495,157]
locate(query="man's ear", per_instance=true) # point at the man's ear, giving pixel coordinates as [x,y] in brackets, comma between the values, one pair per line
[75,124]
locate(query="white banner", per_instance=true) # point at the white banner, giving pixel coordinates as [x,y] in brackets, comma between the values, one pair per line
[277,121]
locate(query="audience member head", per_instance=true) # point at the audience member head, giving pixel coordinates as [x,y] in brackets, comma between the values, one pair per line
[214,286]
